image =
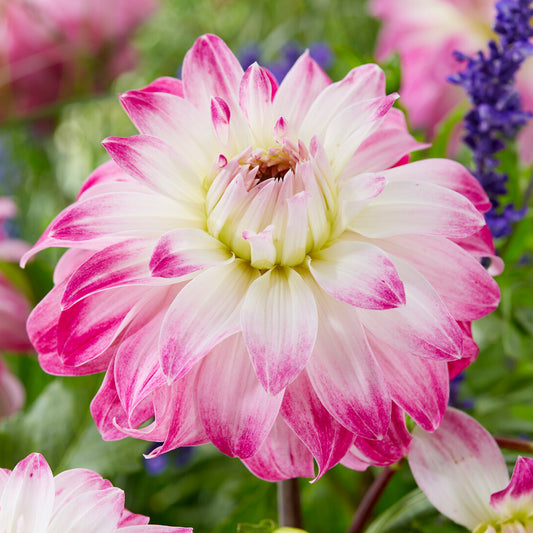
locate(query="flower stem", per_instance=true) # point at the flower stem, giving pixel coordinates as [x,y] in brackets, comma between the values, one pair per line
[289,507]
[369,502]
[517,445]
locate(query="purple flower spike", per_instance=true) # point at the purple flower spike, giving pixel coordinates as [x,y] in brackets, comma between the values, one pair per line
[497,114]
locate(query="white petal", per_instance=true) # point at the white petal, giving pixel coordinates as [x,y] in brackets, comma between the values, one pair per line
[458,467]
[279,325]
[28,496]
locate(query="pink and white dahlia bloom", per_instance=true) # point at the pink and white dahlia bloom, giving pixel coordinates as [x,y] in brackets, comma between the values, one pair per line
[32,500]
[254,269]
[50,49]
[463,473]
[425,33]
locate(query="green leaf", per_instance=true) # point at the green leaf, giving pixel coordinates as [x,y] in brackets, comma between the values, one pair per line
[266,526]
[401,513]
[59,425]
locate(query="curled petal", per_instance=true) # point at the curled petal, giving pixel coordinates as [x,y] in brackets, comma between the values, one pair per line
[282,456]
[393,447]
[302,410]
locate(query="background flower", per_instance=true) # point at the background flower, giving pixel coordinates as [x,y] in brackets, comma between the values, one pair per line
[426,33]
[77,500]
[463,473]
[258,269]
[14,310]
[63,47]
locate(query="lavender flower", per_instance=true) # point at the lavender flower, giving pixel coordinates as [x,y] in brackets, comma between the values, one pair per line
[497,112]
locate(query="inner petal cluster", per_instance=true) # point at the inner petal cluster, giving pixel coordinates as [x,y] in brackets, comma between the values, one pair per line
[269,205]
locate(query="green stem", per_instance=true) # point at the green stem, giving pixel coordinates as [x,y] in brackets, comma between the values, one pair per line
[289,507]
[369,502]
[517,445]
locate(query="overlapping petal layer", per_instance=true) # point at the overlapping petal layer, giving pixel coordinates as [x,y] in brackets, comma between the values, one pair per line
[255,269]
[32,500]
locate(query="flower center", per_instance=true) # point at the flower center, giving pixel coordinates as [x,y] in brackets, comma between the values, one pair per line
[273,163]
[267,206]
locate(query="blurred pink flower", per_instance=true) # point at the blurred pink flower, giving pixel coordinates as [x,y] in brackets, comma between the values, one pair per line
[14,310]
[463,473]
[53,49]
[260,268]
[32,500]
[425,33]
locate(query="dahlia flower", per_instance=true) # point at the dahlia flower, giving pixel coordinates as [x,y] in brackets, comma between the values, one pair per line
[32,500]
[426,33]
[14,310]
[461,470]
[261,268]
[51,49]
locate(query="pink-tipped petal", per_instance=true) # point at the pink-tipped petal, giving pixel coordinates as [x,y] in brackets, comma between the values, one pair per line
[108,413]
[446,173]
[87,329]
[107,174]
[298,90]
[204,313]
[155,529]
[235,410]
[28,496]
[420,387]
[304,413]
[344,372]
[124,263]
[481,246]
[109,218]
[210,69]
[154,163]
[361,83]
[384,148]
[137,369]
[90,511]
[279,325]
[165,84]
[517,497]
[282,456]
[458,467]
[359,274]
[420,208]
[167,117]
[176,416]
[183,251]
[465,287]
[423,327]
[347,131]
[256,93]
[389,450]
